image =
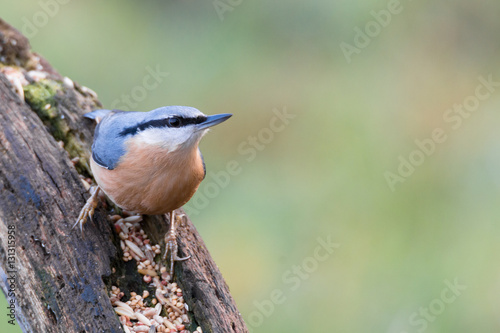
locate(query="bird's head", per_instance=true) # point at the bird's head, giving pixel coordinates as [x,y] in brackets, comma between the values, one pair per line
[168,127]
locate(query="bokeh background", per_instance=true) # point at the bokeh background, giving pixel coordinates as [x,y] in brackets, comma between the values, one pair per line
[322,176]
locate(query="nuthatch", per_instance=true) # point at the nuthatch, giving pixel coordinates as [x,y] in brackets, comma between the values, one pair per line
[149,162]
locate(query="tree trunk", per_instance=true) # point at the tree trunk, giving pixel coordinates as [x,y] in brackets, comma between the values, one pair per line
[58,278]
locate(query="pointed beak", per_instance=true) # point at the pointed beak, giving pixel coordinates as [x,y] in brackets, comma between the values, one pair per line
[213,120]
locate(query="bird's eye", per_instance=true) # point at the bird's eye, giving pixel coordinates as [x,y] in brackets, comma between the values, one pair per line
[174,122]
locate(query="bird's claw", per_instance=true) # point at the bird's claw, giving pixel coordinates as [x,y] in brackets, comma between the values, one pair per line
[171,246]
[88,209]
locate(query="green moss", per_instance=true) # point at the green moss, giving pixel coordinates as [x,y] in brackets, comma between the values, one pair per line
[41,96]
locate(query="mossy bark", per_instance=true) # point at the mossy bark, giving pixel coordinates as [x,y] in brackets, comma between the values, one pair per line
[61,279]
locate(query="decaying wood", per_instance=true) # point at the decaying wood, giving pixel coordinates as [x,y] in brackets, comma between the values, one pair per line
[61,280]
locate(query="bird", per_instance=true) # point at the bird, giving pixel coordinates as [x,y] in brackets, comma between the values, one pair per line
[148,162]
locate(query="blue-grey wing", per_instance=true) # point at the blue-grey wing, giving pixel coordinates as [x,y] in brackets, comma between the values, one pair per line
[108,147]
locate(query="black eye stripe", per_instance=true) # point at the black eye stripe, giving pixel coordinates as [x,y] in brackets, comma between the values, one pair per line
[160,123]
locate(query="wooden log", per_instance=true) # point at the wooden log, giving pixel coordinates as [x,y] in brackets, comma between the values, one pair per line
[59,280]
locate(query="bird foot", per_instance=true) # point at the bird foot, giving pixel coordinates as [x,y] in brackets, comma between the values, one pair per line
[88,208]
[171,245]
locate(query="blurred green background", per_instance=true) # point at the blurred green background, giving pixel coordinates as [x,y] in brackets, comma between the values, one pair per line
[323,174]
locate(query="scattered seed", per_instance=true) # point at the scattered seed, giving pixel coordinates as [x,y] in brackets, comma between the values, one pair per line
[124,227]
[142,318]
[134,248]
[150,254]
[160,297]
[125,312]
[158,318]
[124,305]
[115,218]
[133,218]
[137,240]
[158,308]
[150,312]
[174,308]
[167,323]
[149,272]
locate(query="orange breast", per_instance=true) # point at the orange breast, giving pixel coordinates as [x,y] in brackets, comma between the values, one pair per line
[149,180]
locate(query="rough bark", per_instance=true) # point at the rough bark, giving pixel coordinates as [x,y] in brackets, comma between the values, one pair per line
[61,279]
